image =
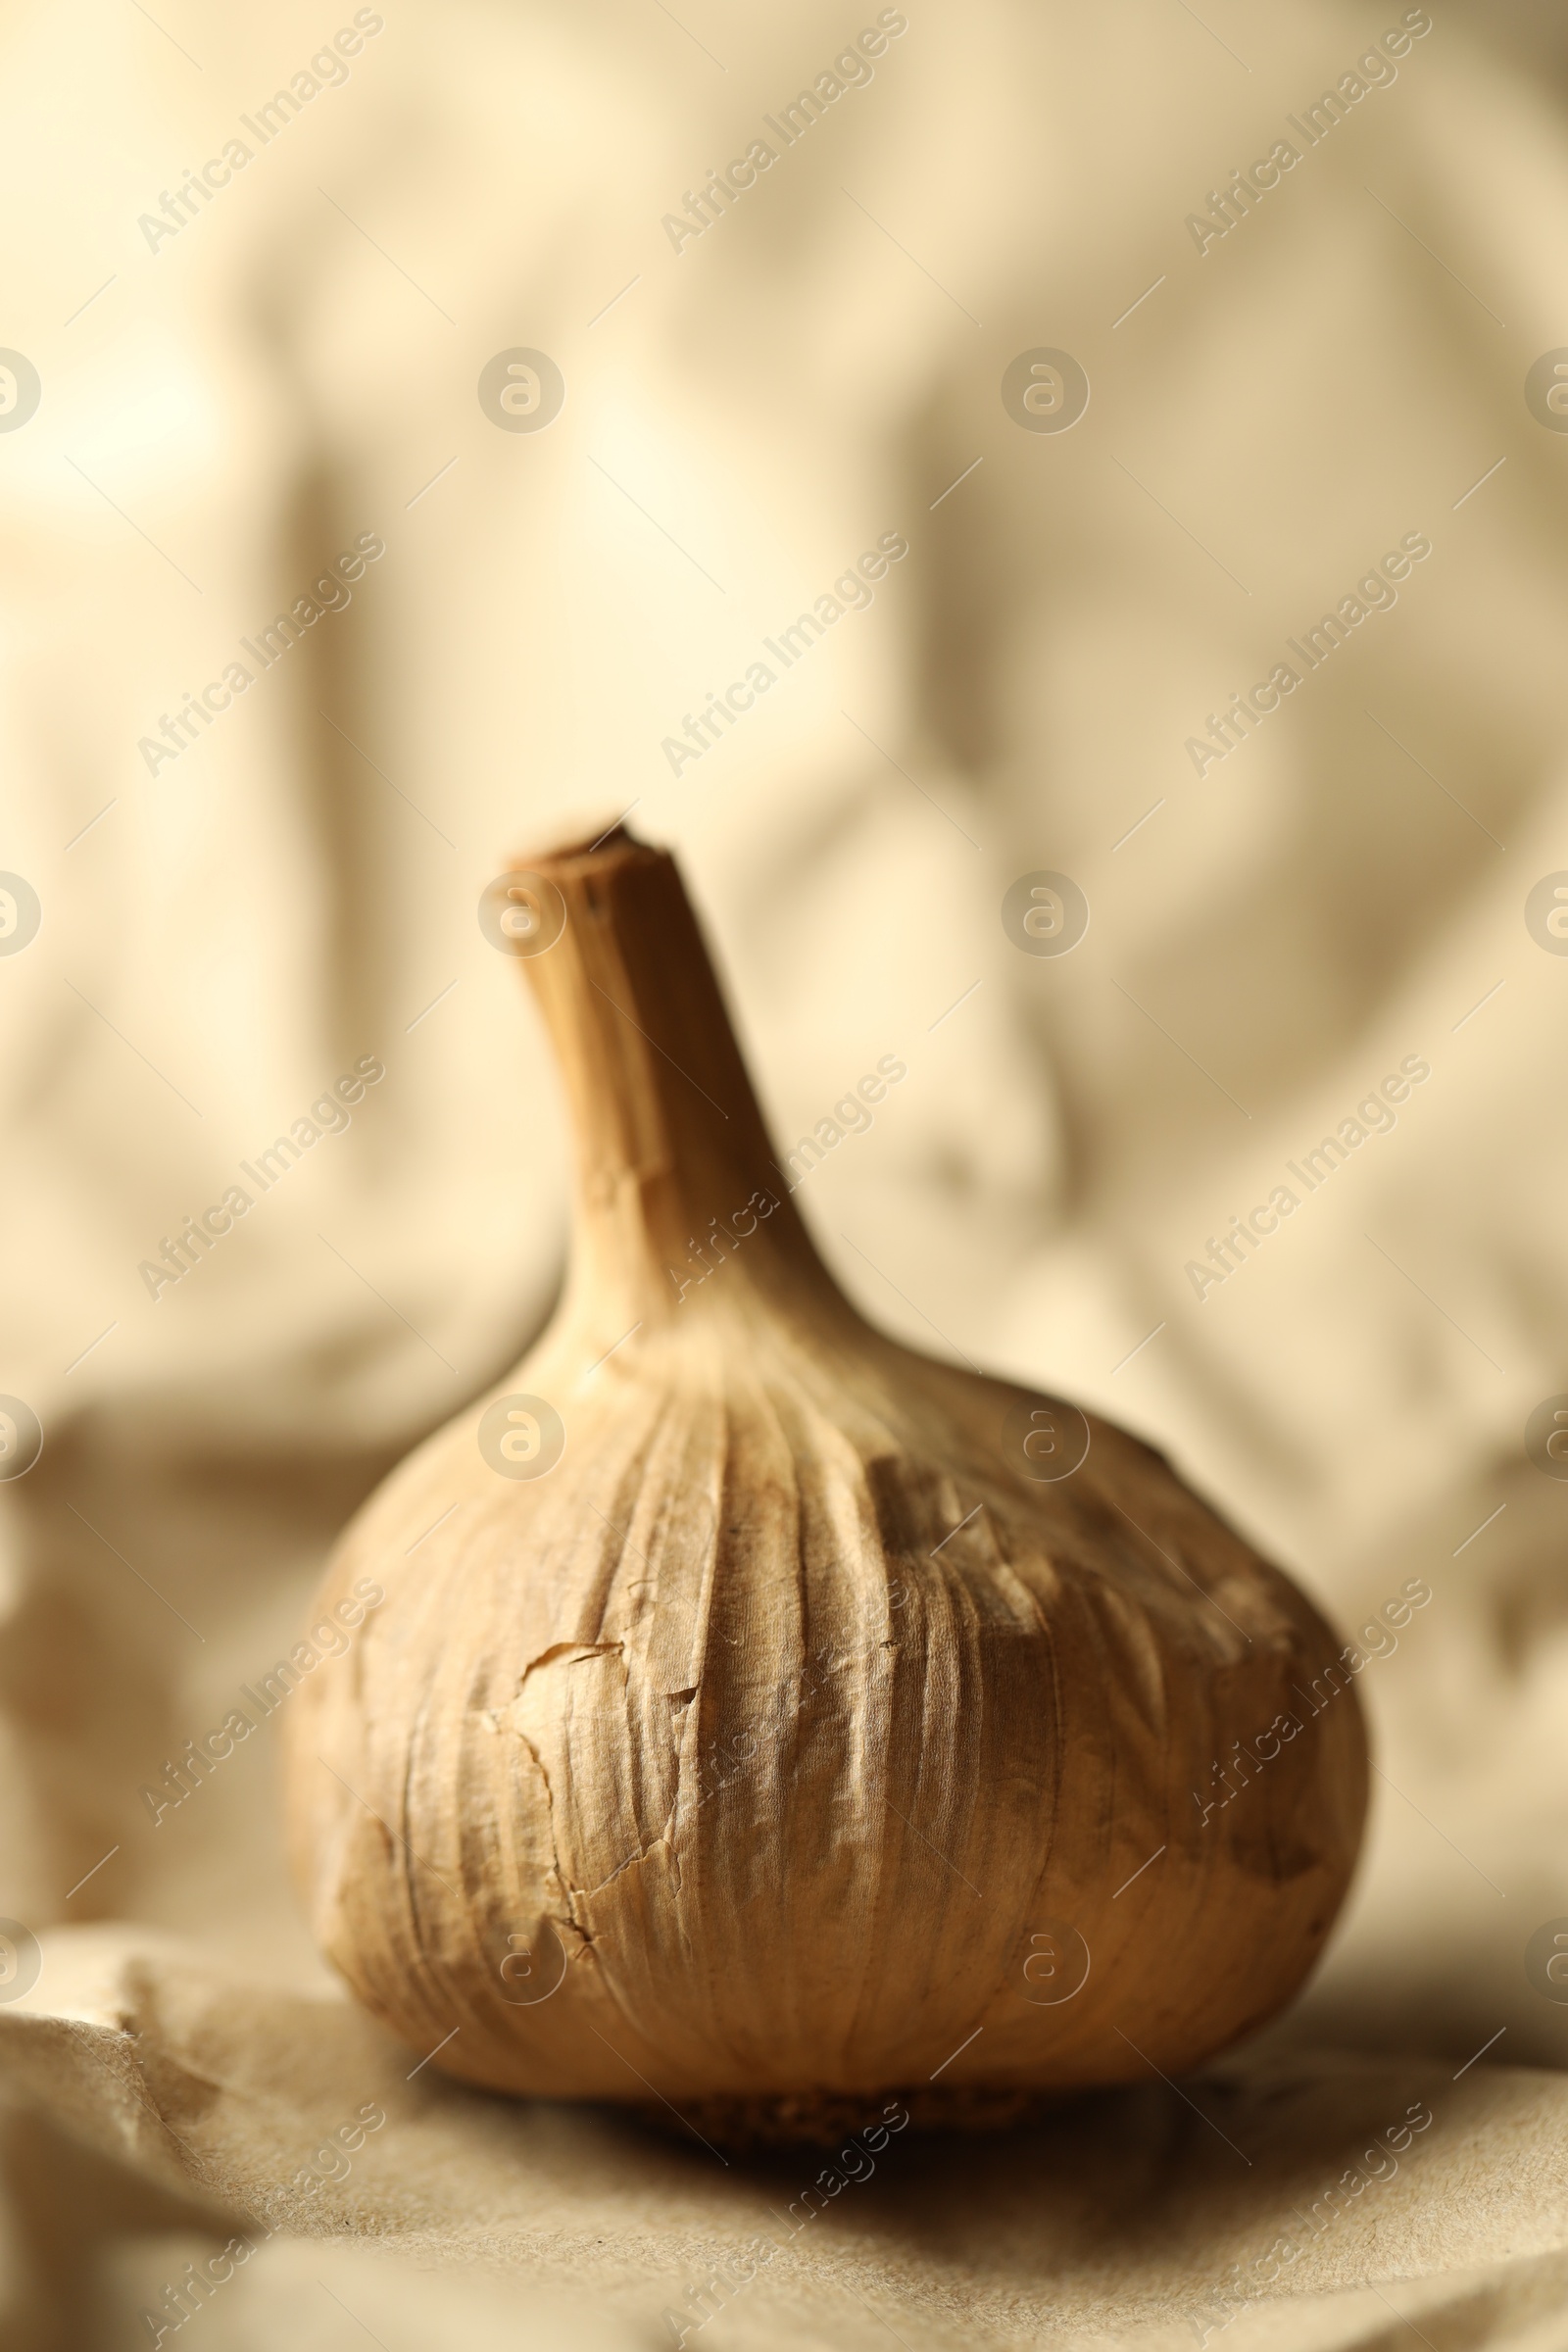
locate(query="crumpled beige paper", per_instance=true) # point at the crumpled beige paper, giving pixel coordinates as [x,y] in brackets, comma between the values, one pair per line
[1302,2197]
[223,414]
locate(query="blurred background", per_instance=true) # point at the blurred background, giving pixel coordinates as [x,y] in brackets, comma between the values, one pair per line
[222,373]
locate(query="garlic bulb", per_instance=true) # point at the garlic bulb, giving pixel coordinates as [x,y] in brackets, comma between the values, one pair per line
[761,1713]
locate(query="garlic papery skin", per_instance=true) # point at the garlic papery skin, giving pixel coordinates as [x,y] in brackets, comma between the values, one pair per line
[760,1711]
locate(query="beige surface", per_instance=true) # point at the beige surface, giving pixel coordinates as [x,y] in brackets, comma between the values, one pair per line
[1126,2219]
[299,889]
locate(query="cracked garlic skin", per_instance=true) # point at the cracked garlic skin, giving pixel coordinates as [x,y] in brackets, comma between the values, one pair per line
[797,1728]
